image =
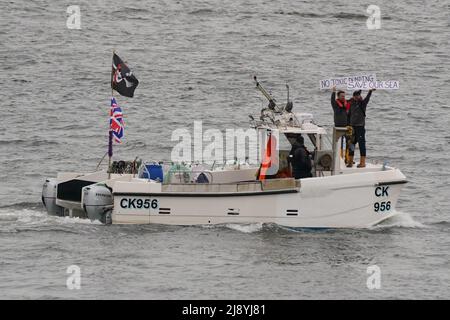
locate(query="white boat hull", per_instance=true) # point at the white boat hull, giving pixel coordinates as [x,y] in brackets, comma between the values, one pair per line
[342,201]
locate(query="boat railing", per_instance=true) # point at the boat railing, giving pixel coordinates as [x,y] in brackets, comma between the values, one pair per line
[242,186]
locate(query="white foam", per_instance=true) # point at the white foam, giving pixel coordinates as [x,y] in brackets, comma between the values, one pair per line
[35,216]
[21,214]
[400,220]
[245,228]
[76,220]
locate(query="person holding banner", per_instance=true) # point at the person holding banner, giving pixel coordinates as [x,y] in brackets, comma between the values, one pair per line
[340,108]
[357,119]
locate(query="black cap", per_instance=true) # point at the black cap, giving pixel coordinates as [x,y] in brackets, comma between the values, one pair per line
[357,93]
[300,139]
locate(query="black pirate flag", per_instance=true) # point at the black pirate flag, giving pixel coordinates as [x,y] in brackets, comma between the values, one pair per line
[122,79]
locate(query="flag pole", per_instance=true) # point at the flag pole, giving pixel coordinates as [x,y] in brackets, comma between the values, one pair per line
[109,154]
[110,138]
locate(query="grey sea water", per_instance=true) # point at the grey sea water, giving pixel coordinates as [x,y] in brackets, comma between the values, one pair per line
[195,61]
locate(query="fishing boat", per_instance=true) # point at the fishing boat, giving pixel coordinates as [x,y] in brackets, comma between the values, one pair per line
[139,192]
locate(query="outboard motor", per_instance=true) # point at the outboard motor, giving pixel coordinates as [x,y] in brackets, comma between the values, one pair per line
[49,198]
[98,202]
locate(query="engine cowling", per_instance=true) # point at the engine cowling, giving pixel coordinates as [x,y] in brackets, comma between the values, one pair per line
[98,202]
[49,197]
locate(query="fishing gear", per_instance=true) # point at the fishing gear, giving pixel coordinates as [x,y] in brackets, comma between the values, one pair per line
[272,104]
[289,104]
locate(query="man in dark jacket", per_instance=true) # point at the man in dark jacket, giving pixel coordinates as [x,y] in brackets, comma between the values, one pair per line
[340,108]
[299,159]
[357,119]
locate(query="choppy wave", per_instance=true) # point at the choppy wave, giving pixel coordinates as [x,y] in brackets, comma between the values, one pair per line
[130,11]
[201,11]
[340,15]
[443,223]
[22,205]
[34,141]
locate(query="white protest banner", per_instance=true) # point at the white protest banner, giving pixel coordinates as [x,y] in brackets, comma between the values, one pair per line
[378,84]
[343,82]
[334,82]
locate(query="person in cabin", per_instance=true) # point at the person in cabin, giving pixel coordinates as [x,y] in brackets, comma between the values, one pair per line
[357,119]
[299,159]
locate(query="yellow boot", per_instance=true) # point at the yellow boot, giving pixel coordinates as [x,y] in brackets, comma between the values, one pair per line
[350,161]
[362,162]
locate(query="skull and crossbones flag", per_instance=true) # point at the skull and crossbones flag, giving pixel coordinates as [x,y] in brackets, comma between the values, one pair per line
[122,78]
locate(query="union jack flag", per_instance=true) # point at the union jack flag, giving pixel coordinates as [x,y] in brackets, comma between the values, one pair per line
[116,123]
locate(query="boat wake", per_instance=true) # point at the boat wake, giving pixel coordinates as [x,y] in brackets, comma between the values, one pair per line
[400,220]
[20,218]
[245,228]
[32,216]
